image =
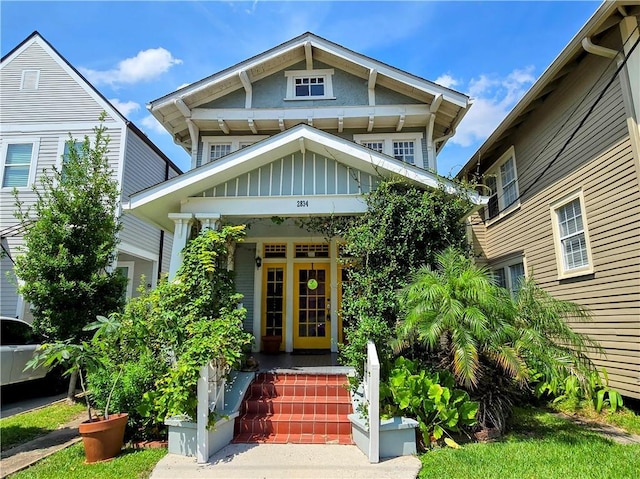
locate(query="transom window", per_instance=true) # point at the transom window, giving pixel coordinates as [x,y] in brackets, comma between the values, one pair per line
[17,171]
[374,145]
[573,252]
[316,250]
[502,180]
[309,84]
[219,150]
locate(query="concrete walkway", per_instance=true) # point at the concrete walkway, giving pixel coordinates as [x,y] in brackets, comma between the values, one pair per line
[292,461]
[24,455]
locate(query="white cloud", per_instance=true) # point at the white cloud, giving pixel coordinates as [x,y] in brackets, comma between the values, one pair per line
[146,65]
[493,97]
[150,123]
[125,107]
[447,81]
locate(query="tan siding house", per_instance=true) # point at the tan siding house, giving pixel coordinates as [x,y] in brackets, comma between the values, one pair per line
[44,100]
[564,172]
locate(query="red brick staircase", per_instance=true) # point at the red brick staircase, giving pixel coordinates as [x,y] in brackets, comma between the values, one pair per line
[295,408]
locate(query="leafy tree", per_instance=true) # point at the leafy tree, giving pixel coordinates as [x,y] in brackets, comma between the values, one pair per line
[403,229]
[70,242]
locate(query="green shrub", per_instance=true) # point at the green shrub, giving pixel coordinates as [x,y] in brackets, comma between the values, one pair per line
[429,397]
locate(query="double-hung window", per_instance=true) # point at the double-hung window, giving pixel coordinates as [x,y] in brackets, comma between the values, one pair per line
[510,274]
[309,84]
[406,147]
[17,165]
[502,180]
[573,252]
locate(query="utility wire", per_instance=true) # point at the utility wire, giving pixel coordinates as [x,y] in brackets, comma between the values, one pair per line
[582,122]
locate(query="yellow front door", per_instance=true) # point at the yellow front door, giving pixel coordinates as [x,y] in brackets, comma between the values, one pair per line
[311,307]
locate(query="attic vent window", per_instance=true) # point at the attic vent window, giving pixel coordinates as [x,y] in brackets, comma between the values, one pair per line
[309,84]
[30,80]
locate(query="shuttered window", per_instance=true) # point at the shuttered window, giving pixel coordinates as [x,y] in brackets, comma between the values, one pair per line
[17,165]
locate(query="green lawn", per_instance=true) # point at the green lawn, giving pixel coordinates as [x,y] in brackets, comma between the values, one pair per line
[23,427]
[623,418]
[69,464]
[540,446]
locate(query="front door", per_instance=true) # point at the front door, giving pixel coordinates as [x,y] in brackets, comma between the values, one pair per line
[311,307]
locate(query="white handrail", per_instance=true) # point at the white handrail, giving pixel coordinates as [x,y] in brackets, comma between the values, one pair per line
[372,396]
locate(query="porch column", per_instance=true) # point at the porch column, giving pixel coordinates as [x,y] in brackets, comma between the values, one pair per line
[180,237]
[209,221]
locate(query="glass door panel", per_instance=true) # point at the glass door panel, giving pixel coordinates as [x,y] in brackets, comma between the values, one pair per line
[312,317]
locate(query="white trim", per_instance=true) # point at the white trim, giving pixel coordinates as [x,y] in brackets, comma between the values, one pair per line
[563,272]
[136,251]
[130,265]
[63,140]
[506,265]
[387,140]
[62,127]
[326,74]
[33,165]
[495,171]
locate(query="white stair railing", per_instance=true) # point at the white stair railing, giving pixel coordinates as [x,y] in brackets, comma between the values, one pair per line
[371,384]
[211,385]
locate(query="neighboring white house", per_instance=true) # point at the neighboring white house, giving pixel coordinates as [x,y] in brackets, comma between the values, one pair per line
[44,99]
[301,130]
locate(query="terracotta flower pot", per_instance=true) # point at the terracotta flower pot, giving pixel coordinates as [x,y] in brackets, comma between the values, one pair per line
[271,344]
[103,438]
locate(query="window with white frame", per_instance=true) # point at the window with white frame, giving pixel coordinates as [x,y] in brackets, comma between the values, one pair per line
[309,84]
[30,80]
[216,147]
[509,275]
[405,147]
[502,180]
[573,252]
[17,161]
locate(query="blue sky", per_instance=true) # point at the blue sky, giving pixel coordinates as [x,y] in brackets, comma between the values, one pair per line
[135,52]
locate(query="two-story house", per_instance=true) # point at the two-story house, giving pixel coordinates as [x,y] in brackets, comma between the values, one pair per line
[301,130]
[43,100]
[563,170]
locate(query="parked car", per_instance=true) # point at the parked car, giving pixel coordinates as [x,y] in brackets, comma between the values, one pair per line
[18,344]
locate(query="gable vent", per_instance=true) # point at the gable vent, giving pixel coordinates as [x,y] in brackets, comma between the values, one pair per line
[30,80]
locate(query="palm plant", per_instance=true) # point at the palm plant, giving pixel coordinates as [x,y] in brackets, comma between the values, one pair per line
[457,311]
[493,343]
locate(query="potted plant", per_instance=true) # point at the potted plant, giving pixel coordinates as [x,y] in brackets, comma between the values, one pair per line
[102,436]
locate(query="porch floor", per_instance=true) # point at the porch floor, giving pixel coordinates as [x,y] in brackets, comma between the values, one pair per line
[314,363]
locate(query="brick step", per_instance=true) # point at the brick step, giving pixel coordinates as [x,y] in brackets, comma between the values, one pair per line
[248,438]
[265,424]
[295,405]
[309,390]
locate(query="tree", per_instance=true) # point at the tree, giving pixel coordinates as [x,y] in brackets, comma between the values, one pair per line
[404,227]
[70,242]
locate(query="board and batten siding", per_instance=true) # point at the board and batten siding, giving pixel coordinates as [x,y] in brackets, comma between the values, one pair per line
[58,98]
[599,162]
[245,266]
[297,174]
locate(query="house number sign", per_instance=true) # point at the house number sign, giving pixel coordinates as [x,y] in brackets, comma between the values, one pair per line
[302,203]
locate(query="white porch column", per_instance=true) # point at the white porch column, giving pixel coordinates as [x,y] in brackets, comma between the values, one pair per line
[334,280]
[180,237]
[209,221]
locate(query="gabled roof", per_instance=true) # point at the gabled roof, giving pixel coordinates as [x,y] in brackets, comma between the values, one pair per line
[153,204]
[112,111]
[301,48]
[607,16]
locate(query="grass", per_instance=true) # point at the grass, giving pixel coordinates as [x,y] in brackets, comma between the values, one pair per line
[21,428]
[69,463]
[624,418]
[540,445]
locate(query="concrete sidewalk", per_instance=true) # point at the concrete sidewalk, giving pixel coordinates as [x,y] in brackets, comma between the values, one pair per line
[291,461]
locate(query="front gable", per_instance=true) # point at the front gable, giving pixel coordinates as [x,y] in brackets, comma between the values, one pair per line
[298,174]
[38,86]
